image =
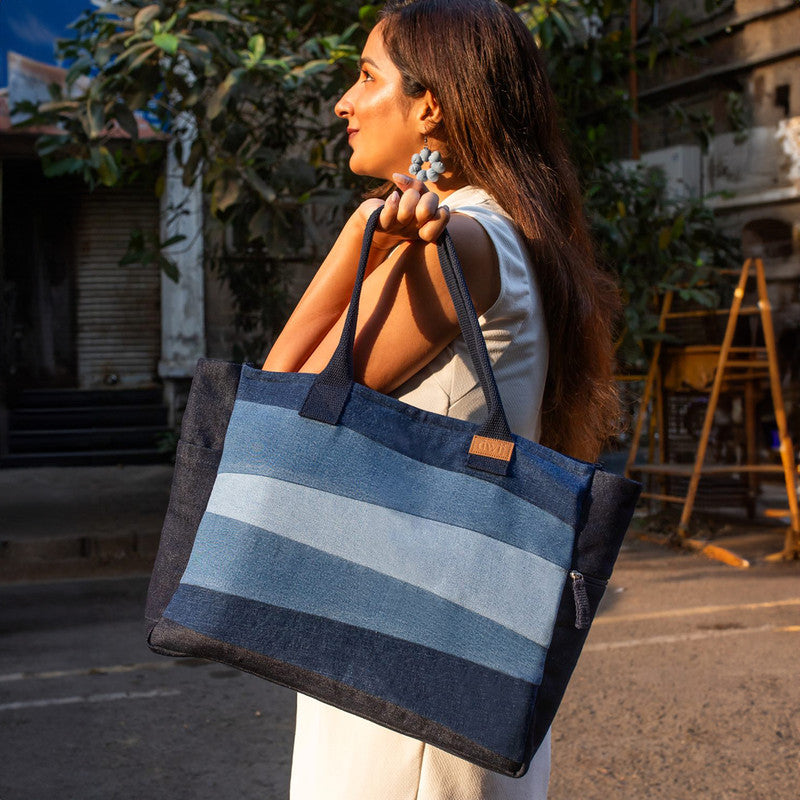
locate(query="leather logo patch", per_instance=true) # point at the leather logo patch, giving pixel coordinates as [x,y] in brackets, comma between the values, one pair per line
[491,448]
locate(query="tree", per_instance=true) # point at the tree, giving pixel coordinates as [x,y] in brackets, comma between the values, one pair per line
[256,79]
[653,240]
[244,90]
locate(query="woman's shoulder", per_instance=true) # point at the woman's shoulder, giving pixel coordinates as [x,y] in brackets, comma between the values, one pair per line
[479,205]
[517,302]
[506,239]
[473,197]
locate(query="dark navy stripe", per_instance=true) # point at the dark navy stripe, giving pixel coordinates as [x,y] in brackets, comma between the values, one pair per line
[278,443]
[554,482]
[485,706]
[171,639]
[293,575]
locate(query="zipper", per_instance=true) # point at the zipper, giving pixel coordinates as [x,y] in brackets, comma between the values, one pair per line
[583,612]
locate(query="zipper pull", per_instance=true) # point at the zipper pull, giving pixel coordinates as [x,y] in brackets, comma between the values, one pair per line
[583,613]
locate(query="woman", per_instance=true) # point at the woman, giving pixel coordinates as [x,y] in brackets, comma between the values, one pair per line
[462,77]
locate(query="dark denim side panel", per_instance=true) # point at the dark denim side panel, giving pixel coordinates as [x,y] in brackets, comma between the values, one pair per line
[205,422]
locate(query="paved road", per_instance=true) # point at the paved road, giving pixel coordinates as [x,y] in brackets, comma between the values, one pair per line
[95,716]
[688,688]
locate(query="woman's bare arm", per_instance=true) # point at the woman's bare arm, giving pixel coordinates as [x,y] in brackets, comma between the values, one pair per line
[323,301]
[406,316]
[414,216]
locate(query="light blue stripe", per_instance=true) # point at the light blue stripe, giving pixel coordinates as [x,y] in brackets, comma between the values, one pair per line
[516,589]
[274,570]
[269,440]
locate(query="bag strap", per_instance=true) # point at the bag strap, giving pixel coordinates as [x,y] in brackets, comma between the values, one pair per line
[492,447]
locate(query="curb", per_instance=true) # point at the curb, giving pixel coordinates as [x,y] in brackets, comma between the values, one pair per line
[77,557]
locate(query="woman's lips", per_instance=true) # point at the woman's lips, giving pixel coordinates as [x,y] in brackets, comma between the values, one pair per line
[351,132]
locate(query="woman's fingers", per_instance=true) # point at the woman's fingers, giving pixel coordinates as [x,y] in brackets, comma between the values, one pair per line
[407,208]
[389,211]
[432,230]
[426,208]
[414,213]
[405,182]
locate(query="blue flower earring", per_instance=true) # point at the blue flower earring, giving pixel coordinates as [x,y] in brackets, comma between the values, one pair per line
[435,164]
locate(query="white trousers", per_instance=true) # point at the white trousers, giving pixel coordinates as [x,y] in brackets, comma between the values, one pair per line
[338,756]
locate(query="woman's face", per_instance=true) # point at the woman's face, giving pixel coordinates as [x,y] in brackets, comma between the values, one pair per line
[383,124]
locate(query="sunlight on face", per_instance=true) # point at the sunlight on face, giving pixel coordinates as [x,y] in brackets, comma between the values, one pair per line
[383,123]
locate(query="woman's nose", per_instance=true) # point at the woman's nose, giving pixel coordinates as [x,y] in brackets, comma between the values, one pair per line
[343,108]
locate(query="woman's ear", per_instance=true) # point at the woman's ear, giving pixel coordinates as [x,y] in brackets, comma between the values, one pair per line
[429,112]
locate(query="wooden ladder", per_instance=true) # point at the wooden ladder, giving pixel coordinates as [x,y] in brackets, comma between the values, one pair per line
[747,364]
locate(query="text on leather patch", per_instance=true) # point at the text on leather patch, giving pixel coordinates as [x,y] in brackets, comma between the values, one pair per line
[491,448]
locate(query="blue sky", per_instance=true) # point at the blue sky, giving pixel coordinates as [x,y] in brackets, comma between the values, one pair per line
[31,27]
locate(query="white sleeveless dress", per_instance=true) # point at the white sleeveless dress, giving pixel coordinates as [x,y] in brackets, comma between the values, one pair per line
[338,756]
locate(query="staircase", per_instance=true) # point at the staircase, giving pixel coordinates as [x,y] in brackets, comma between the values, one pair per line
[78,427]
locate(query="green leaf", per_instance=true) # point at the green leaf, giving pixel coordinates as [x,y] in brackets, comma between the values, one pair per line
[220,96]
[652,55]
[168,42]
[64,166]
[80,67]
[108,171]
[226,192]
[168,267]
[209,15]
[311,67]
[261,186]
[260,225]
[132,256]
[58,106]
[46,145]
[368,14]
[257,46]
[133,49]
[664,238]
[192,163]
[176,239]
[145,16]
[126,120]
[142,57]
[95,118]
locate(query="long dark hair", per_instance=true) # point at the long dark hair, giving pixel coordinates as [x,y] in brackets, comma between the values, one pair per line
[501,126]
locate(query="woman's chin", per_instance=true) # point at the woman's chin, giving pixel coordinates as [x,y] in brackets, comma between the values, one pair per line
[356,167]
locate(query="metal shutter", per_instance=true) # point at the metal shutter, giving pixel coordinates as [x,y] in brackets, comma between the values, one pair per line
[118,312]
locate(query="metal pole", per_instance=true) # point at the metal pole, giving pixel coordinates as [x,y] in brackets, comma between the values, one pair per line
[792,545]
[738,295]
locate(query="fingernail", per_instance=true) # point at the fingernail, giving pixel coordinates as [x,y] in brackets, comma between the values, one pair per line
[394,197]
[398,177]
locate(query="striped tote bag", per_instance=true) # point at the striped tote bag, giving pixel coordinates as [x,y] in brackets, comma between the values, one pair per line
[429,574]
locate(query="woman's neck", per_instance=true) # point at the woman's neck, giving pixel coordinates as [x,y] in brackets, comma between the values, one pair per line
[444,187]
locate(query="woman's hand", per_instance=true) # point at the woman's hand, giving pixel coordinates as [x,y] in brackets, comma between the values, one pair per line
[413,215]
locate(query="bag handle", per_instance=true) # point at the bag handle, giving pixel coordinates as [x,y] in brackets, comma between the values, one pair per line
[492,447]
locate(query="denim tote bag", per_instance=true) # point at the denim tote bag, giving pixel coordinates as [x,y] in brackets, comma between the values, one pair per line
[432,575]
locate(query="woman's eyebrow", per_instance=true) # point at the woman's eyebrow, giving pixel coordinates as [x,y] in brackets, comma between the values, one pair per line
[363,60]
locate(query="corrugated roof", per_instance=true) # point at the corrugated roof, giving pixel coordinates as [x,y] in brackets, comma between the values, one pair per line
[28,80]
